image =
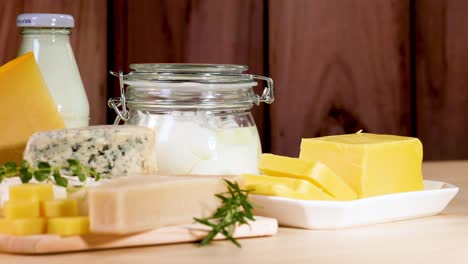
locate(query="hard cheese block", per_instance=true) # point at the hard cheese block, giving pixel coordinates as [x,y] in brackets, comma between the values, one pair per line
[371,164]
[31,192]
[315,172]
[68,226]
[59,207]
[21,209]
[111,150]
[22,227]
[284,187]
[138,203]
[27,106]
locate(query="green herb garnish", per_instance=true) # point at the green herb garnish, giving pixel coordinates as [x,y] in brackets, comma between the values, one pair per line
[235,210]
[44,172]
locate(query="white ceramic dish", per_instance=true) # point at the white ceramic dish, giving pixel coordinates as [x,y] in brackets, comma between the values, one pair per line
[379,209]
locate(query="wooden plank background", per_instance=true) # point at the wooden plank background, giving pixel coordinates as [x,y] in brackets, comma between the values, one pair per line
[384,66]
[441,73]
[338,69]
[209,31]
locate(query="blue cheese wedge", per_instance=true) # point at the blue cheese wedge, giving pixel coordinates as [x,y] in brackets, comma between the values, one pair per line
[111,150]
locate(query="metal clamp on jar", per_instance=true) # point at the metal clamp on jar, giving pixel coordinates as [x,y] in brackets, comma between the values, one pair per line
[200,112]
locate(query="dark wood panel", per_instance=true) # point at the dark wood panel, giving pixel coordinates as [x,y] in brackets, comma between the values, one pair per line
[9,33]
[339,66]
[441,63]
[198,31]
[89,42]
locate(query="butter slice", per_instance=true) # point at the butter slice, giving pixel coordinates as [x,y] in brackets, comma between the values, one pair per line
[68,226]
[315,172]
[59,208]
[22,227]
[21,209]
[371,164]
[138,203]
[284,187]
[31,192]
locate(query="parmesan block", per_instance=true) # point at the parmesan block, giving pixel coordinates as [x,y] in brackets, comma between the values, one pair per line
[27,106]
[138,203]
[111,150]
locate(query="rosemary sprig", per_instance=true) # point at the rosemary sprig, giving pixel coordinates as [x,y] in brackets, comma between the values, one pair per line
[44,172]
[235,210]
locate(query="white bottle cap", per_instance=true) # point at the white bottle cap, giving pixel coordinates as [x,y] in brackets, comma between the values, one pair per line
[45,20]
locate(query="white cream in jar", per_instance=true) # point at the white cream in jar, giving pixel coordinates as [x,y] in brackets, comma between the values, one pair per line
[193,143]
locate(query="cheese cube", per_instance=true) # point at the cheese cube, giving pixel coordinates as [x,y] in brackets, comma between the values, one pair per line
[284,187]
[138,203]
[21,209]
[315,172]
[31,192]
[68,226]
[22,227]
[59,208]
[27,106]
[371,164]
[111,150]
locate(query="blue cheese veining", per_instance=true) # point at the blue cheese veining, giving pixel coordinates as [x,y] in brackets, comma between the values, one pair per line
[111,150]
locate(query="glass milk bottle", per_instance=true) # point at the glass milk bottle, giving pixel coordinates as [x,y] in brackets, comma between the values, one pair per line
[48,36]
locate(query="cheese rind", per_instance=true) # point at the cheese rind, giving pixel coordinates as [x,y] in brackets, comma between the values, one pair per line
[139,203]
[371,164]
[315,172]
[284,187]
[68,226]
[27,106]
[111,150]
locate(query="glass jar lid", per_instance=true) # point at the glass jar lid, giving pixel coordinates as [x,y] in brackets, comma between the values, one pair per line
[188,86]
[185,72]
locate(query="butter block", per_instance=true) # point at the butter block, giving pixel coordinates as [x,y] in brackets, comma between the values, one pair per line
[68,226]
[315,172]
[22,227]
[59,208]
[284,187]
[31,192]
[138,203]
[27,106]
[371,164]
[21,209]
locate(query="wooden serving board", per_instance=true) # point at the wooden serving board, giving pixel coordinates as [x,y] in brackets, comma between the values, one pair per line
[45,244]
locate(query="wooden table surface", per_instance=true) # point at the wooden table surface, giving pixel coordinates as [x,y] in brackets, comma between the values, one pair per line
[437,239]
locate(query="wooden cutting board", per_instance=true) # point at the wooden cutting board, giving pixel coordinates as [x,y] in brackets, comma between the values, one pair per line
[44,244]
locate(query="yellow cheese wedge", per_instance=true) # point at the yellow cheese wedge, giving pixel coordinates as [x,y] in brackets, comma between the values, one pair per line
[371,164]
[59,208]
[315,172]
[31,192]
[21,209]
[27,106]
[22,227]
[284,187]
[68,226]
